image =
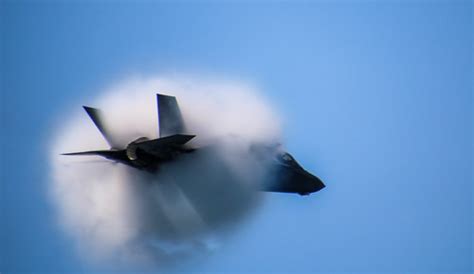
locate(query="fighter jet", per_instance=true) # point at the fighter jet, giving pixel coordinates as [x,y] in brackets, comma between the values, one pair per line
[149,155]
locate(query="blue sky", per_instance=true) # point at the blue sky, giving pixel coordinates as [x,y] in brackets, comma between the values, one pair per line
[377,99]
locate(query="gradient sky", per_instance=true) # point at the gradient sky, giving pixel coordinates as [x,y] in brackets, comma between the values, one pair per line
[377,101]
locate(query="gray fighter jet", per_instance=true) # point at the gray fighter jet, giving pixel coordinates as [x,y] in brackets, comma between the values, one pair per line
[148,155]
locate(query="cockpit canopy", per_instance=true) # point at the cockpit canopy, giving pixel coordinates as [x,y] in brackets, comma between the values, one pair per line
[286,159]
[274,153]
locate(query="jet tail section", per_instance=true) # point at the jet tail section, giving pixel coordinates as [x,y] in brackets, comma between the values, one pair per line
[154,147]
[143,153]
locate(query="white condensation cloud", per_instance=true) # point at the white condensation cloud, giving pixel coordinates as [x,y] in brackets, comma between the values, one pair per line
[113,211]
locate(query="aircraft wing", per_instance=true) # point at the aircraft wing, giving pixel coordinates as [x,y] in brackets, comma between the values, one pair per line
[155,146]
[169,116]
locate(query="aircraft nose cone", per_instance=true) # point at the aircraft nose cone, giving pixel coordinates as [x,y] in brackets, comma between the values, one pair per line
[311,183]
[317,183]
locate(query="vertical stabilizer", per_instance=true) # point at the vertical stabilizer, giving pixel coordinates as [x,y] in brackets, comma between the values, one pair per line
[169,116]
[96,117]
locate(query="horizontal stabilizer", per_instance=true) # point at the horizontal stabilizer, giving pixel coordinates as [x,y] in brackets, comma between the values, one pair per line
[109,154]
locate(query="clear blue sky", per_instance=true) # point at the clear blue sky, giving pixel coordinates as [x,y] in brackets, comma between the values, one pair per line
[378,99]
